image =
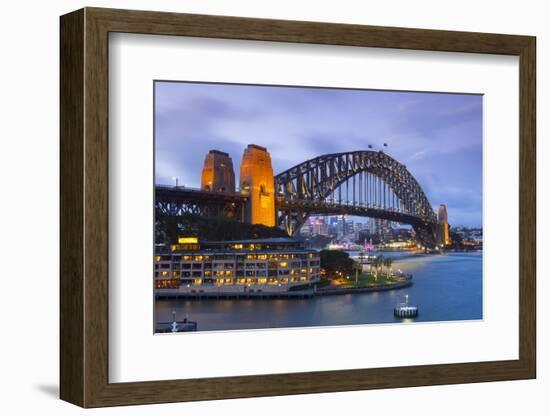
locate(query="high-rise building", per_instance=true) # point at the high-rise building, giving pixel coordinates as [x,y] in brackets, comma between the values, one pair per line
[306,230]
[217,172]
[381,228]
[257,182]
[385,230]
[342,226]
[318,226]
[371,226]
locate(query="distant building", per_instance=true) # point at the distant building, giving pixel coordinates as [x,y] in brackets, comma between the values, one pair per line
[380,228]
[318,227]
[341,226]
[371,226]
[306,229]
[363,236]
[385,230]
[403,234]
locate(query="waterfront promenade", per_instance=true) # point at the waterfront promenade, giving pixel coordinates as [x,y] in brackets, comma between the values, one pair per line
[328,290]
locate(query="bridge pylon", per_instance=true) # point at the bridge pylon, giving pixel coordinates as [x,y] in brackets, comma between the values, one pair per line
[257,184]
[443,237]
[217,173]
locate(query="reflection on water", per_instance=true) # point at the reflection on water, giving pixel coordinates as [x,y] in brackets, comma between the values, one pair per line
[446,287]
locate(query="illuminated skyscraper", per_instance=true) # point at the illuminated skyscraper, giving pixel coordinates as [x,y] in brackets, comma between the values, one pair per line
[217,173]
[257,182]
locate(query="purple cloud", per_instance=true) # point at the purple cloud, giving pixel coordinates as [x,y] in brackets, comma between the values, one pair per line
[438,136]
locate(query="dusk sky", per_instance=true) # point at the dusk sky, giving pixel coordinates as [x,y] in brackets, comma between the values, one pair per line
[437,136]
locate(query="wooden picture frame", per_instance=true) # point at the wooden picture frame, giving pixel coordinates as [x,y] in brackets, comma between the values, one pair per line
[84,207]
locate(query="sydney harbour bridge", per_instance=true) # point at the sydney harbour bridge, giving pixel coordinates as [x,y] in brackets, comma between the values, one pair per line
[363,183]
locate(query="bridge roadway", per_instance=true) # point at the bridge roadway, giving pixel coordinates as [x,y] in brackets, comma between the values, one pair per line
[186,194]
[181,194]
[177,200]
[359,210]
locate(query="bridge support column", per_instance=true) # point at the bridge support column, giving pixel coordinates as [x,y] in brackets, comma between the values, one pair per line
[443,237]
[217,174]
[257,183]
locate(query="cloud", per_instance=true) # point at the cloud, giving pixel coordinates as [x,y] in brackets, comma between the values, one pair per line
[418,155]
[437,136]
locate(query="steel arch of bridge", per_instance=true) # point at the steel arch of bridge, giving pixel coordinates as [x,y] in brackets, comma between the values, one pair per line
[362,183]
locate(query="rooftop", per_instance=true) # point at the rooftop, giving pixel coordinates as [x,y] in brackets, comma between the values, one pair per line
[219,152]
[256,146]
[273,240]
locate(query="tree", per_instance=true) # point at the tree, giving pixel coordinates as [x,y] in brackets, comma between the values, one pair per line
[388,263]
[377,263]
[336,261]
[169,227]
[359,265]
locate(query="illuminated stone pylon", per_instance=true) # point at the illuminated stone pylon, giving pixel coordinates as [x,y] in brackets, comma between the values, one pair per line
[217,173]
[257,182]
[443,237]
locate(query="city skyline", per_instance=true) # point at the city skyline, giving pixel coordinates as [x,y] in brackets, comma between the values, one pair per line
[437,136]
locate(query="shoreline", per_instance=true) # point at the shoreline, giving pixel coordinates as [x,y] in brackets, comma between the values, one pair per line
[350,290]
[298,294]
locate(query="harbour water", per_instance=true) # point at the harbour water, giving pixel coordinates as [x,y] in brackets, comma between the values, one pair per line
[446,287]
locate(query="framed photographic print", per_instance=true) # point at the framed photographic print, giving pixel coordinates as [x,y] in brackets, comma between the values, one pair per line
[255,207]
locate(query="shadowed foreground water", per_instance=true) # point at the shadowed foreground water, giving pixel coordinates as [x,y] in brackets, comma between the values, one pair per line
[446,287]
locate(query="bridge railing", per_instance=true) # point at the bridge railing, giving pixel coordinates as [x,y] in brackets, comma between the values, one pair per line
[182,188]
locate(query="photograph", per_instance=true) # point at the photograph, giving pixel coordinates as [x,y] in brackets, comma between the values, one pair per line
[293,206]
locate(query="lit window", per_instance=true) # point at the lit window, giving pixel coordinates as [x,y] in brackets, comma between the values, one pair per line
[283,264]
[188,240]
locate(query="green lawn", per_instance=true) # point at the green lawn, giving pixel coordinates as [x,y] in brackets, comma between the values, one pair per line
[366,279]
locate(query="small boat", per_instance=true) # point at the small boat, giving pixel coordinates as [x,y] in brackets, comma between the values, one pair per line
[404,310]
[176,326]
